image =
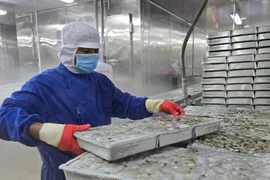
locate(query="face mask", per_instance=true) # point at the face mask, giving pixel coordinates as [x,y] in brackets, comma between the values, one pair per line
[86,63]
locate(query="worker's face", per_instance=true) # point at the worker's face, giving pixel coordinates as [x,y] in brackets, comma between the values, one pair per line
[86,51]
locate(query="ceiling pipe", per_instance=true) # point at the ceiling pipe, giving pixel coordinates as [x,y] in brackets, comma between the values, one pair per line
[183,67]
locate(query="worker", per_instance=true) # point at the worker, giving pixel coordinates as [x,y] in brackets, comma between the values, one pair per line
[103,67]
[71,97]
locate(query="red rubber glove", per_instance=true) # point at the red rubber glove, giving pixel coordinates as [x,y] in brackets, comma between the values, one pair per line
[68,141]
[171,108]
[61,136]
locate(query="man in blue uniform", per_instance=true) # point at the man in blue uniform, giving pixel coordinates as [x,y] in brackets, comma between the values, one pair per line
[54,104]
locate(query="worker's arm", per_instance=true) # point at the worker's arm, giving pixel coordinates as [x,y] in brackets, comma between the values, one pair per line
[20,121]
[124,105]
[156,105]
[35,129]
[18,113]
[58,135]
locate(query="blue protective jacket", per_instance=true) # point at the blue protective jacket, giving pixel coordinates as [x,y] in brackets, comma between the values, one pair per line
[59,96]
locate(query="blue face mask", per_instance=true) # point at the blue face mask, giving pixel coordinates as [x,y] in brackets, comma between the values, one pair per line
[86,63]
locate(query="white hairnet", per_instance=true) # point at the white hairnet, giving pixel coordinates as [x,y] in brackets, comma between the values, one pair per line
[73,36]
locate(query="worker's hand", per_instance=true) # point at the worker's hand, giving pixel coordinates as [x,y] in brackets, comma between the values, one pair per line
[61,136]
[154,106]
[171,108]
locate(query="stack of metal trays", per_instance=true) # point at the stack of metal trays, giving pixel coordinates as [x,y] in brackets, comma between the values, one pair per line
[244,41]
[214,80]
[240,80]
[219,44]
[237,70]
[264,39]
[261,85]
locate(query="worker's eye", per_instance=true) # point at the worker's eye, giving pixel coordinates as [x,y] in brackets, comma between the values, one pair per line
[90,51]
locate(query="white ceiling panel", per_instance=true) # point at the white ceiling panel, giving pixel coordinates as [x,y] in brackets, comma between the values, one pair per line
[25,6]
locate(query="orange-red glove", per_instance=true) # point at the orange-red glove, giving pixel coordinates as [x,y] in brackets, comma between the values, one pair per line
[155,105]
[61,136]
[171,108]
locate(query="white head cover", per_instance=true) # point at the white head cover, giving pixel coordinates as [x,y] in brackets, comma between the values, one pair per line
[73,36]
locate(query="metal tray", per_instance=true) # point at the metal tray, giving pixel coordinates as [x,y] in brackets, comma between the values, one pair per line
[174,137]
[261,101]
[262,57]
[261,87]
[241,73]
[215,105]
[215,60]
[219,41]
[219,34]
[262,72]
[213,81]
[243,52]
[220,54]
[218,74]
[243,80]
[245,38]
[244,31]
[213,87]
[208,111]
[241,107]
[262,107]
[263,65]
[170,163]
[214,94]
[240,94]
[262,94]
[114,142]
[234,144]
[207,128]
[243,58]
[264,50]
[263,29]
[261,80]
[239,101]
[264,43]
[239,87]
[197,125]
[215,67]
[111,146]
[213,101]
[223,47]
[175,131]
[244,45]
[242,66]
[216,112]
[265,36]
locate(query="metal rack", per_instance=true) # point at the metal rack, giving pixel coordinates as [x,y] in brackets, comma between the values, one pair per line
[237,69]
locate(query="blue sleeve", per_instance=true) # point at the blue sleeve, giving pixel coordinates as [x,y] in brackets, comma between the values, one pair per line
[17,114]
[124,105]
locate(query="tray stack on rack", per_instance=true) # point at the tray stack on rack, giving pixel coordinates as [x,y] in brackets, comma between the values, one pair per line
[240,80]
[261,85]
[262,80]
[237,70]
[214,81]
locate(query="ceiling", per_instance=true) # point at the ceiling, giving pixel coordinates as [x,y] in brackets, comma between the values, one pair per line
[256,12]
[24,6]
